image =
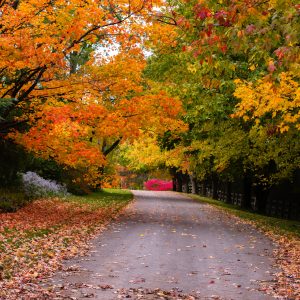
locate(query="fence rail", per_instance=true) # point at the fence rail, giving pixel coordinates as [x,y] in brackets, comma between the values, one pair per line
[282,200]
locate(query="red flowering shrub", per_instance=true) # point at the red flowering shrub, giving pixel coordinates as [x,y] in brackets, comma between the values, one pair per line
[158,185]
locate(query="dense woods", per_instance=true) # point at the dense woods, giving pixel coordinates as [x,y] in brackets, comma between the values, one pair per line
[208,89]
[72,87]
[235,66]
[98,94]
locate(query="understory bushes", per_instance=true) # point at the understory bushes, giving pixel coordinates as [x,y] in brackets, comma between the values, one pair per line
[158,185]
[24,177]
[32,187]
[35,186]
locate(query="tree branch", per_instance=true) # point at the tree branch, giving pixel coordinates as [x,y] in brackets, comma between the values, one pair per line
[171,21]
[79,40]
[36,81]
[112,147]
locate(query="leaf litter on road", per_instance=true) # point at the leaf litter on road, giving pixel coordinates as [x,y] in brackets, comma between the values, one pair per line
[35,240]
[155,294]
[286,284]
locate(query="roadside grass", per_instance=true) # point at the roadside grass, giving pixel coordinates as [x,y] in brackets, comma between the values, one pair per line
[103,198]
[36,238]
[266,223]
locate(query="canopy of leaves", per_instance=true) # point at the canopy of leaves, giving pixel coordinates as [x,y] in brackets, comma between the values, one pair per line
[235,66]
[71,78]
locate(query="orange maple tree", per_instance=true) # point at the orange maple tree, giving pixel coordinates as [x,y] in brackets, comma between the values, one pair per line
[72,72]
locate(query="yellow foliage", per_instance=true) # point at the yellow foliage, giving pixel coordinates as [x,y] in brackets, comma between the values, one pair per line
[143,152]
[266,98]
[176,158]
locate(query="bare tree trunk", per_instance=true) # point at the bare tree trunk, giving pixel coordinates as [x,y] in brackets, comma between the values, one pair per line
[194,184]
[246,200]
[228,193]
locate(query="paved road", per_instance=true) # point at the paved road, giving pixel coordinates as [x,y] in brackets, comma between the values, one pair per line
[166,240]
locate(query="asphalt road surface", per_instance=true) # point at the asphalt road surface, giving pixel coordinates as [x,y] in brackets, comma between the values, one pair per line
[167,245]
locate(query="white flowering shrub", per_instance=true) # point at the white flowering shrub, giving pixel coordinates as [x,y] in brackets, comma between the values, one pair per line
[36,186]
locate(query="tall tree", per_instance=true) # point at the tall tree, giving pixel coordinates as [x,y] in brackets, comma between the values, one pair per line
[71,78]
[235,66]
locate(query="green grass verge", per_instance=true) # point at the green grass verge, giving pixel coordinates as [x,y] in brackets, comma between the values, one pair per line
[276,225]
[103,198]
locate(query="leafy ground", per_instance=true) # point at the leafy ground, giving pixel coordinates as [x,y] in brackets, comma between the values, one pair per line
[285,233]
[167,246]
[35,239]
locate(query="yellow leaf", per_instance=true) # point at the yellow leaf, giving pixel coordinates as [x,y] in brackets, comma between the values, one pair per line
[252,67]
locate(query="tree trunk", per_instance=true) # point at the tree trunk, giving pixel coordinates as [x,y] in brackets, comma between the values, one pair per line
[186,179]
[194,184]
[228,193]
[261,199]
[179,182]
[174,181]
[204,188]
[214,187]
[246,199]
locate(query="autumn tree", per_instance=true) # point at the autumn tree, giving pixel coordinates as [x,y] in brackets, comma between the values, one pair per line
[234,65]
[73,100]
[39,40]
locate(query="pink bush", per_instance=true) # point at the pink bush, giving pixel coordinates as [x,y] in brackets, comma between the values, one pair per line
[158,185]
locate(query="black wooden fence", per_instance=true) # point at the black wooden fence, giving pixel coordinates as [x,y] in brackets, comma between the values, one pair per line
[282,200]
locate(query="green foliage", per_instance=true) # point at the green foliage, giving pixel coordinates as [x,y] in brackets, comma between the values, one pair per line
[167,141]
[77,59]
[218,43]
